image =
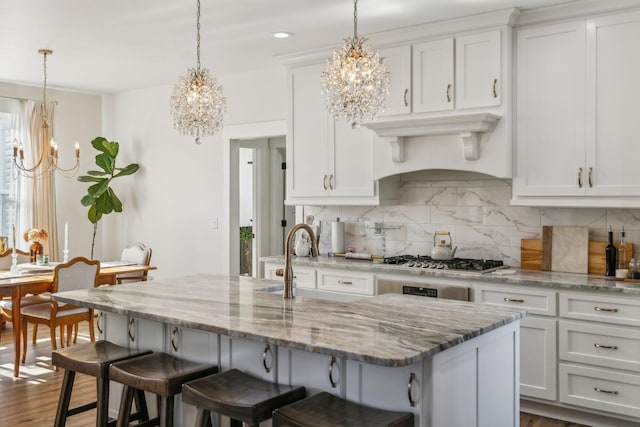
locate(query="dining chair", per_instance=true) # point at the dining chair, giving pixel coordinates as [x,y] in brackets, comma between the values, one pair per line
[6,305]
[137,253]
[79,273]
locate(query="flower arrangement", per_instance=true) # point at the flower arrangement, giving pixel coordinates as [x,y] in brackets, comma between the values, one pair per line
[37,235]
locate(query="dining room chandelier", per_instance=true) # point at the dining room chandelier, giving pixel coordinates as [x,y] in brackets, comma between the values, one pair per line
[48,161]
[355,80]
[197,104]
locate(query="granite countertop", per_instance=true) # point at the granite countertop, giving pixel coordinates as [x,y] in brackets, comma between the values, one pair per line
[387,330]
[550,279]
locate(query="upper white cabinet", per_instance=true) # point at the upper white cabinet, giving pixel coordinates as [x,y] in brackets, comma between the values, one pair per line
[478,77]
[577,93]
[398,63]
[328,161]
[457,73]
[433,76]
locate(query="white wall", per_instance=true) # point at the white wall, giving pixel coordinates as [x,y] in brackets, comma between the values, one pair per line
[77,118]
[179,189]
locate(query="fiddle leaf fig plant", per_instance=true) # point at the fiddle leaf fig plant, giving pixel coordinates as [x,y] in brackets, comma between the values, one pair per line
[100,197]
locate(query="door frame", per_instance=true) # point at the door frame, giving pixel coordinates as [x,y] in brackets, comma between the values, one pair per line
[232,135]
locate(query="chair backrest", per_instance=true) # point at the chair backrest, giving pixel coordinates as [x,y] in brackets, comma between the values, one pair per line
[138,253]
[6,260]
[79,273]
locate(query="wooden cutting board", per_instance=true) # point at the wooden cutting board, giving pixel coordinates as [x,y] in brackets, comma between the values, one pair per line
[569,249]
[531,255]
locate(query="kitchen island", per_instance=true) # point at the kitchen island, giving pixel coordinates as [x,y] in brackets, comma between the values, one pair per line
[448,362]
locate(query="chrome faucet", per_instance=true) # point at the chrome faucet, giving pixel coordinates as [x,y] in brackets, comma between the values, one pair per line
[287,293]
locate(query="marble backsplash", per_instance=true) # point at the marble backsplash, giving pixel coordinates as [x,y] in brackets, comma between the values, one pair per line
[477,214]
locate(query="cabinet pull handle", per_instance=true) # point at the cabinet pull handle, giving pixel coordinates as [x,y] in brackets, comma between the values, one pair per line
[267,351]
[332,182]
[345,282]
[130,330]
[324,182]
[449,92]
[513,300]
[608,347]
[412,378]
[98,323]
[600,390]
[579,177]
[612,310]
[406,102]
[494,88]
[590,173]
[174,333]
[331,380]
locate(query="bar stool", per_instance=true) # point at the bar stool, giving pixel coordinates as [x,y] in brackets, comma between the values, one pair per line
[157,373]
[327,410]
[239,396]
[92,358]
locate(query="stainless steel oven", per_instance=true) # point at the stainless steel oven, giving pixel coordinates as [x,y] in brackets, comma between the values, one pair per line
[424,289]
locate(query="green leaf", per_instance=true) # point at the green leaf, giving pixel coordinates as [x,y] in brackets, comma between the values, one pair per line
[106,162]
[97,143]
[96,173]
[87,200]
[128,170]
[93,215]
[115,202]
[103,204]
[97,190]
[111,148]
[85,178]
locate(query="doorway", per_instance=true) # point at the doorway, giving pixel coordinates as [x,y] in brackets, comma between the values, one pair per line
[266,147]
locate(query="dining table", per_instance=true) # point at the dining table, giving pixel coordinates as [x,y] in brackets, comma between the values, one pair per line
[39,280]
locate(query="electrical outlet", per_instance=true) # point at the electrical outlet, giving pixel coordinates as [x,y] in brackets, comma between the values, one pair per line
[214,223]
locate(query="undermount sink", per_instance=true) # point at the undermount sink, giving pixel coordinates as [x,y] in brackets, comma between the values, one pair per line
[316,294]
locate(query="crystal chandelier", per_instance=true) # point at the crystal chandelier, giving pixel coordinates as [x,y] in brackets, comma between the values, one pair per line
[48,161]
[197,104]
[355,80]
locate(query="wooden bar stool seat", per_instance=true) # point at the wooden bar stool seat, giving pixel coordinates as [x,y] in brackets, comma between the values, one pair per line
[327,410]
[157,373]
[239,396]
[94,359]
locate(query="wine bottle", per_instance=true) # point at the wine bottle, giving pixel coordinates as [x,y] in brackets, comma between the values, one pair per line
[621,258]
[610,256]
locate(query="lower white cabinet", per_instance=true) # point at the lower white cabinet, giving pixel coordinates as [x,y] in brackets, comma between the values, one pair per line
[538,337]
[303,277]
[317,372]
[346,281]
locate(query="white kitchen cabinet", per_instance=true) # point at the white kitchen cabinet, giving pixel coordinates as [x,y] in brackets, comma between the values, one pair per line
[328,161]
[398,64]
[577,92]
[303,277]
[473,79]
[550,149]
[253,357]
[317,372]
[433,79]
[478,70]
[538,337]
[346,281]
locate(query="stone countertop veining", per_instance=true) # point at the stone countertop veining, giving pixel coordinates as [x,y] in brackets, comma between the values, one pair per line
[387,330]
[550,279]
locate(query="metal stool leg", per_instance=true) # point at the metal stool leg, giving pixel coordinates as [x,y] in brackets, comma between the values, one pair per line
[165,411]
[125,406]
[203,419]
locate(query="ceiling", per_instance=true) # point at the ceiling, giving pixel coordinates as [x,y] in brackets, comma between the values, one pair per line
[105,46]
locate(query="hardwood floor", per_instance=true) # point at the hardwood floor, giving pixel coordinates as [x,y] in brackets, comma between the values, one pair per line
[31,399]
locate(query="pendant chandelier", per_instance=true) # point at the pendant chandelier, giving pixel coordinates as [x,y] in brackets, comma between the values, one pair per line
[355,80]
[48,160]
[197,104]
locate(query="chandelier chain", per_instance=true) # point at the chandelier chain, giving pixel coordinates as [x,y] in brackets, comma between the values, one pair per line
[198,37]
[44,91]
[355,19]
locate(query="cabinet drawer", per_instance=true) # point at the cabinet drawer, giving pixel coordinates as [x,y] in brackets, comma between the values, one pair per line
[607,346]
[622,311]
[535,301]
[303,277]
[340,281]
[600,389]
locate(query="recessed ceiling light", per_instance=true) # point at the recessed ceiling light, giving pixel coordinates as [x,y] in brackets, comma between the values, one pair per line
[282,35]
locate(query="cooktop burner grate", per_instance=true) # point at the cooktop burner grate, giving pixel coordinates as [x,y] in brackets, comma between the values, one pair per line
[458,264]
